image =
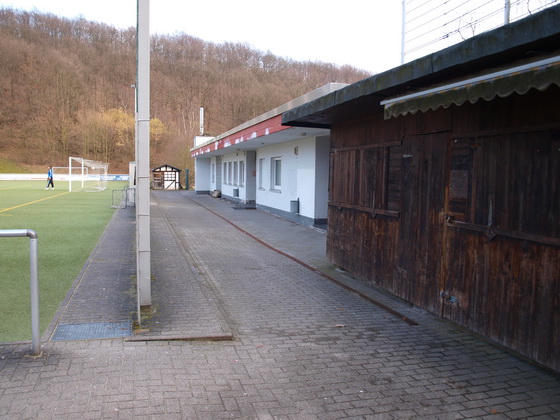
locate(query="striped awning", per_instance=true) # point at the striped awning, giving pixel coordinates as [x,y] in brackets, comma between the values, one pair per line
[520,79]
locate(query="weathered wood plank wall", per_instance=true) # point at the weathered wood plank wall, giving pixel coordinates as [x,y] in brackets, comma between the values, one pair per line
[458,212]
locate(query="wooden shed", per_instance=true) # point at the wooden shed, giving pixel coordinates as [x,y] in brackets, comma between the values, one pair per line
[166,177]
[445,183]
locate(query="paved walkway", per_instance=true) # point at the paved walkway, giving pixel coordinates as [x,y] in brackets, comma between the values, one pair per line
[249,321]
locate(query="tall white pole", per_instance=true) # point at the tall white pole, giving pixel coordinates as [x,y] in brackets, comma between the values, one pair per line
[143,245]
[507,8]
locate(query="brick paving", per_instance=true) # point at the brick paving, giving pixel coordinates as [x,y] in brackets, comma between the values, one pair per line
[250,321]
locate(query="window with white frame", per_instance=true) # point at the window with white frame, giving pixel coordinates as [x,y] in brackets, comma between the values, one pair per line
[225,173]
[213,173]
[235,173]
[230,173]
[276,173]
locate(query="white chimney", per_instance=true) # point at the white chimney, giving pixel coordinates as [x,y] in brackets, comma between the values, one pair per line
[201,121]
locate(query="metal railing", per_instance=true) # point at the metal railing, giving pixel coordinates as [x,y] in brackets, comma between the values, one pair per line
[33,259]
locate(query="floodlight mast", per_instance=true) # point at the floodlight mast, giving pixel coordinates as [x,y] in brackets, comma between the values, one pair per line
[143,245]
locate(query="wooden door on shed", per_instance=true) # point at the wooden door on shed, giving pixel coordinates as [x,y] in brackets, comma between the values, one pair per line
[422,219]
[158,180]
[501,272]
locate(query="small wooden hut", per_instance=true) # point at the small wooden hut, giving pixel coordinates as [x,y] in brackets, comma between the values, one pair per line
[166,177]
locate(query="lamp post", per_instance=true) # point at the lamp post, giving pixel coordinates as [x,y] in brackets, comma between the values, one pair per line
[143,245]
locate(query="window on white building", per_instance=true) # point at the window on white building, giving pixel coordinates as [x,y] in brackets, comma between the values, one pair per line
[276,173]
[213,173]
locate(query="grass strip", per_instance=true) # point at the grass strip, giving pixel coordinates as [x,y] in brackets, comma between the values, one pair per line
[68,225]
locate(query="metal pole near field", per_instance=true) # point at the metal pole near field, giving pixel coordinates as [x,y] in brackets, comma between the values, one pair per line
[33,261]
[143,245]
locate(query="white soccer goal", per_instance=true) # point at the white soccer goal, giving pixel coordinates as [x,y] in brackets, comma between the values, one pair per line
[87,175]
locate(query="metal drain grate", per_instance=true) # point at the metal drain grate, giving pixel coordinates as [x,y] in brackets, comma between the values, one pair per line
[92,331]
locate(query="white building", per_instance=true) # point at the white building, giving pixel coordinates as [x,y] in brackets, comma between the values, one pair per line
[263,164]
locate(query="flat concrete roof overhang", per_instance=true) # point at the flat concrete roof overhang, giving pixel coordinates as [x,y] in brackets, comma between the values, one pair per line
[266,129]
[238,142]
[528,38]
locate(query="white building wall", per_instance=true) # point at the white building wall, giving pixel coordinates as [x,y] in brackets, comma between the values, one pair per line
[213,174]
[297,173]
[322,147]
[234,175]
[246,176]
[250,176]
[202,171]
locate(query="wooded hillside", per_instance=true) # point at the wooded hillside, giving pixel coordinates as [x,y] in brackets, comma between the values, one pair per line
[65,90]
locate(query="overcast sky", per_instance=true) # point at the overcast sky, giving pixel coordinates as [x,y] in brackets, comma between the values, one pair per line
[363,33]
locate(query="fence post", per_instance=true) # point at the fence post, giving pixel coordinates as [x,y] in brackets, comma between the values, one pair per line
[34,280]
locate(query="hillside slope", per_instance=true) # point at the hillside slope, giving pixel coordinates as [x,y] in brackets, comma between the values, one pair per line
[66,89]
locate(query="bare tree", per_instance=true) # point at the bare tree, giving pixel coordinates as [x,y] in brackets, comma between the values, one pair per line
[65,89]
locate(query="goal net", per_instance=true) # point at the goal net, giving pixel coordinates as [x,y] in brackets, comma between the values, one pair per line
[87,175]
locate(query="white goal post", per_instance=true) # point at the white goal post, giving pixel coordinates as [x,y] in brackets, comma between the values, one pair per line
[87,175]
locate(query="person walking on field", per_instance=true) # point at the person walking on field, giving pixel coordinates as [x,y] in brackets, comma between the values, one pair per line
[50,178]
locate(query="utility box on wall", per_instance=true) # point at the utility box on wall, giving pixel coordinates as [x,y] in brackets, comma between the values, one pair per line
[294,206]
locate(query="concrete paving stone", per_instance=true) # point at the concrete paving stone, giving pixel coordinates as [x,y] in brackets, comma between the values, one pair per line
[543,411]
[381,416]
[556,414]
[473,413]
[519,414]
[358,412]
[450,416]
[300,346]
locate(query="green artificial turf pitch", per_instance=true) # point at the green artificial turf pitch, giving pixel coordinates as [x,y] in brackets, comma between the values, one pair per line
[68,225]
